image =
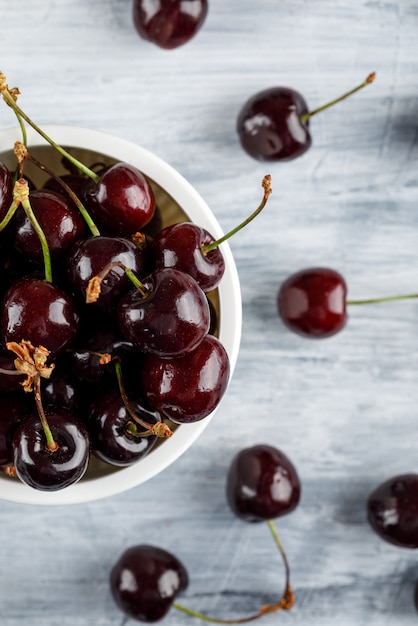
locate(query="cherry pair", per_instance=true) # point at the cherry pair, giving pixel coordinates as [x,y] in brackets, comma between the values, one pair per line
[262,484]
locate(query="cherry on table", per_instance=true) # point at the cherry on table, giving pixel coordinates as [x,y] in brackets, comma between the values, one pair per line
[312,302]
[262,484]
[273,125]
[392,510]
[145,581]
[169,23]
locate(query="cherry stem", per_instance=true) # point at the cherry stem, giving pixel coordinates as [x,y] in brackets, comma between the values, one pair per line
[285,603]
[267,191]
[159,429]
[10,100]
[51,445]
[306,116]
[87,218]
[409,296]
[21,196]
[94,285]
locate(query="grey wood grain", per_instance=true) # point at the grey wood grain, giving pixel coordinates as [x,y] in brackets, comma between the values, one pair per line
[344,409]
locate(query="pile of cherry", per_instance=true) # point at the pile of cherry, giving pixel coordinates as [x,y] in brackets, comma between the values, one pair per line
[107,333]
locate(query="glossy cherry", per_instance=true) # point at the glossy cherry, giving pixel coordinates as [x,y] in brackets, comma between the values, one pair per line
[187,388]
[89,257]
[392,510]
[273,125]
[59,219]
[122,201]
[145,581]
[181,246]
[262,484]
[37,311]
[312,302]
[48,470]
[170,318]
[169,23]
[116,439]
[270,125]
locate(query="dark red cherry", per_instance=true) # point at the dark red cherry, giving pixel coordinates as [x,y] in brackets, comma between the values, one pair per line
[392,510]
[187,388]
[59,219]
[89,257]
[181,246]
[47,470]
[13,410]
[145,580]
[6,190]
[171,318]
[312,302]
[270,127]
[122,201]
[37,311]
[109,426]
[169,23]
[262,484]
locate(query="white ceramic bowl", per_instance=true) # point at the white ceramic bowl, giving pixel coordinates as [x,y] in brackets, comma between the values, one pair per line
[178,200]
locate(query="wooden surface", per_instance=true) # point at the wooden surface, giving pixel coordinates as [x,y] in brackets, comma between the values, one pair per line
[343,409]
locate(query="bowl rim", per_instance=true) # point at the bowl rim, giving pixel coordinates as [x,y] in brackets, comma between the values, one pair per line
[229,290]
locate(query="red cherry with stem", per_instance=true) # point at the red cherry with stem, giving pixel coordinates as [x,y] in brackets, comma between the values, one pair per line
[121,200]
[168,316]
[312,302]
[60,220]
[116,438]
[392,510]
[37,311]
[145,580]
[189,387]
[88,257]
[169,23]
[273,125]
[192,249]
[262,484]
[51,470]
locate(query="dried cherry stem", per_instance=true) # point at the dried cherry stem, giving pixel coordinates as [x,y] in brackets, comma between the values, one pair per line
[266,182]
[159,429]
[87,218]
[94,285]
[21,196]
[10,97]
[306,116]
[408,296]
[285,603]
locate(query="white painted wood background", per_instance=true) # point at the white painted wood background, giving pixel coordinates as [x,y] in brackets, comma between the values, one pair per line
[345,409]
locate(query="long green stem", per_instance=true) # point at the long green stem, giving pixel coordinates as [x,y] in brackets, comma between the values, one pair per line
[83,168]
[267,191]
[42,239]
[306,116]
[285,603]
[51,444]
[409,296]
